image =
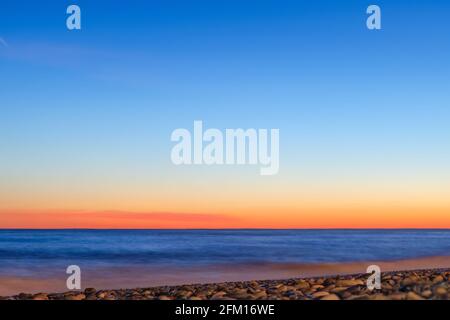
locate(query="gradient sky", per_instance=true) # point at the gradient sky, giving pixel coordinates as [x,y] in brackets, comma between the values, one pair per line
[86,116]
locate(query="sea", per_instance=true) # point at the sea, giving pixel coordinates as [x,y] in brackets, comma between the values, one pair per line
[157,257]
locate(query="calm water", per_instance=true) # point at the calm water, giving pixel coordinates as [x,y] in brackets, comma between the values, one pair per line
[23,252]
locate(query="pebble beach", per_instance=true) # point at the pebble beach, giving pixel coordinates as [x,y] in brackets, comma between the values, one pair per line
[430,284]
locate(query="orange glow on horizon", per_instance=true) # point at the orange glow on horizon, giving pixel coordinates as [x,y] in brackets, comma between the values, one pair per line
[312,218]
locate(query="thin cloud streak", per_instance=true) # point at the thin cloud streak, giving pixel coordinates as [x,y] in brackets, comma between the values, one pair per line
[110,220]
[4,43]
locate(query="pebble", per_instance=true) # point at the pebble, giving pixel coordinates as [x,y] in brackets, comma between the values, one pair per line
[427,294]
[320,294]
[76,297]
[89,291]
[40,296]
[349,283]
[413,296]
[330,297]
[441,291]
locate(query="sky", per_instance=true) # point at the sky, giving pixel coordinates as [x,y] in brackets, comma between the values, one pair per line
[87,115]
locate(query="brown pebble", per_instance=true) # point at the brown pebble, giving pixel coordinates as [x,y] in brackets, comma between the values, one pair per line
[76,297]
[317,286]
[397,296]
[218,295]
[349,283]
[338,289]
[407,282]
[413,296]
[379,296]
[319,294]
[330,297]
[359,297]
[302,285]
[195,298]
[40,296]
[438,279]
[427,294]
[441,291]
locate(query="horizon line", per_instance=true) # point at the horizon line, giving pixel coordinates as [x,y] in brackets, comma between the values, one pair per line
[256,228]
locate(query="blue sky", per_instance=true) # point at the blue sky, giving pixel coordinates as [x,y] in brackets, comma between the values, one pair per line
[349,102]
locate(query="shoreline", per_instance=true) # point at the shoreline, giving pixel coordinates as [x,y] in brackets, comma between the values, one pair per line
[137,277]
[111,279]
[425,284]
